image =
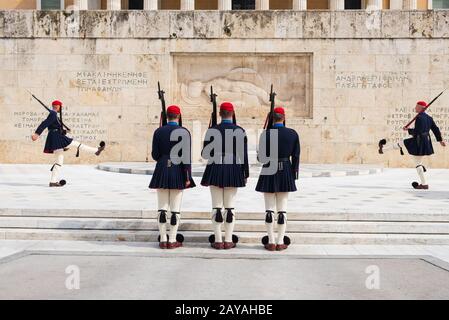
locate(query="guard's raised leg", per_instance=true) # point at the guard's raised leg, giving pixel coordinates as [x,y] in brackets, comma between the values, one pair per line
[80,147]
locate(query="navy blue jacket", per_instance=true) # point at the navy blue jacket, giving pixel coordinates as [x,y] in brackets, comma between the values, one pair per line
[421,144]
[233,168]
[55,139]
[287,161]
[171,173]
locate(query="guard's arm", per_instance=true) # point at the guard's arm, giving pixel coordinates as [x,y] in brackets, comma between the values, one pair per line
[295,157]
[155,152]
[52,117]
[436,131]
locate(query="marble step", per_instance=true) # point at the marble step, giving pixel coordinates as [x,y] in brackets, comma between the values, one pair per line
[151,214]
[202,237]
[306,170]
[241,225]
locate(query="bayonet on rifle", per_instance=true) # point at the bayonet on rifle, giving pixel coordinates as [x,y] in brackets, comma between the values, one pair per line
[213,99]
[161,93]
[269,120]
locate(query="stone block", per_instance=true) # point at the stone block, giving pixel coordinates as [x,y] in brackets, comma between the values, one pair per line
[2,24]
[317,24]
[243,24]
[71,24]
[344,24]
[206,24]
[152,24]
[289,24]
[181,24]
[421,24]
[18,24]
[441,26]
[123,24]
[46,24]
[395,24]
[97,24]
[369,24]
[354,62]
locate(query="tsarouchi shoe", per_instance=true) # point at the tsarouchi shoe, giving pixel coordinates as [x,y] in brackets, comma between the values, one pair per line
[163,245]
[174,245]
[418,186]
[229,245]
[101,148]
[281,247]
[217,245]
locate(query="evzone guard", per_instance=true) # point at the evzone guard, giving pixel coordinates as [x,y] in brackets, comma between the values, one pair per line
[57,141]
[280,160]
[420,144]
[225,147]
[172,175]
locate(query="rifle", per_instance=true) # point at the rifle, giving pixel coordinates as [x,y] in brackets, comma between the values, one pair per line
[414,119]
[269,119]
[48,109]
[161,93]
[213,116]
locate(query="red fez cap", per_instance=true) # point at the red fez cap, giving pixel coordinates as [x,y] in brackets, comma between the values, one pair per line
[279,110]
[174,110]
[56,103]
[227,106]
[422,103]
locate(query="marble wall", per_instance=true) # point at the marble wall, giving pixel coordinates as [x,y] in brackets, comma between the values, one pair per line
[347,78]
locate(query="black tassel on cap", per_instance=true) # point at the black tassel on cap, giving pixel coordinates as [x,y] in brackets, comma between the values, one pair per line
[281,217]
[218,215]
[229,215]
[174,219]
[162,216]
[269,216]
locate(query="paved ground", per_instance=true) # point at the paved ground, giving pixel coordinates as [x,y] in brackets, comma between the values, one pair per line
[25,186]
[307,170]
[140,272]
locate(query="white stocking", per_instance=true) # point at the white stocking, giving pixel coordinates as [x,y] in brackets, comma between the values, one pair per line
[217,195]
[270,208]
[420,169]
[281,206]
[57,165]
[163,197]
[228,201]
[175,208]
[82,147]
